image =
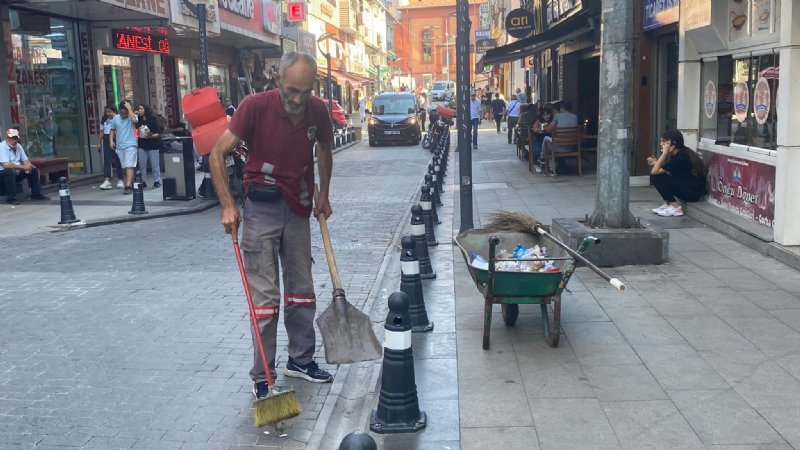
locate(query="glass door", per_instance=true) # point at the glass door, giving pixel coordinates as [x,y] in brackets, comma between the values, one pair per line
[666,116]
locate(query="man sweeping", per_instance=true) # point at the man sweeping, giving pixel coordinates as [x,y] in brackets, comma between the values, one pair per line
[281,128]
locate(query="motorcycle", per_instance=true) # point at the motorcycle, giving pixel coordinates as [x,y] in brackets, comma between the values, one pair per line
[438,134]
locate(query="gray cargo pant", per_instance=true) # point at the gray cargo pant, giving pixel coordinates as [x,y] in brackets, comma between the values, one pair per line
[272,232]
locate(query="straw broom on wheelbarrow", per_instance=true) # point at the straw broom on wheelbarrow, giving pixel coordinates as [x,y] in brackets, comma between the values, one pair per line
[523,223]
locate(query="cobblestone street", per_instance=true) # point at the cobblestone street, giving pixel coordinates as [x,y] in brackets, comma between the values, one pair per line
[136,335]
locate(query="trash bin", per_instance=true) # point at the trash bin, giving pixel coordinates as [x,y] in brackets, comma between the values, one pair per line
[178,166]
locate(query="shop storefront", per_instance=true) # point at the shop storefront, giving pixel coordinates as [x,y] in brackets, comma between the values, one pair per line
[731,107]
[45,85]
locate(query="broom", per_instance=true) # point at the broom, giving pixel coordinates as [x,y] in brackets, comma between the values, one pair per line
[276,406]
[523,223]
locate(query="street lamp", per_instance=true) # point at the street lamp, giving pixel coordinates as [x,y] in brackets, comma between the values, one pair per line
[327,38]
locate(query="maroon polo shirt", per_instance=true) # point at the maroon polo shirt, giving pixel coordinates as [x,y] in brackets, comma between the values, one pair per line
[280,152]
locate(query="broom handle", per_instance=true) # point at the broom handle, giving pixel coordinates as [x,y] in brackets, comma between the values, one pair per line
[326,239]
[619,285]
[253,320]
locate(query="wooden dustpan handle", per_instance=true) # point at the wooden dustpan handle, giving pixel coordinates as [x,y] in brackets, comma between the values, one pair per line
[326,239]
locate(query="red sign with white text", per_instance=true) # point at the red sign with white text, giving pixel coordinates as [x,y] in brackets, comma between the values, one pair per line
[296,11]
[743,187]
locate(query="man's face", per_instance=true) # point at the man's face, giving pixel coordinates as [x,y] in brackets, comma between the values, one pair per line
[295,87]
[123,113]
[227,101]
[12,141]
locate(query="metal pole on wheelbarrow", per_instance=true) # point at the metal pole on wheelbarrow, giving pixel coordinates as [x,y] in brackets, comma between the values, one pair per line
[619,285]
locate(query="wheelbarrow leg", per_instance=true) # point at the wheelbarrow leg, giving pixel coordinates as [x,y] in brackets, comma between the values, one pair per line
[487,323]
[552,333]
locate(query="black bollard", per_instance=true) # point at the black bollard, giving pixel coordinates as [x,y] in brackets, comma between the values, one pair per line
[138,195]
[437,169]
[434,213]
[206,189]
[411,284]
[67,212]
[358,441]
[398,405]
[427,216]
[436,197]
[426,271]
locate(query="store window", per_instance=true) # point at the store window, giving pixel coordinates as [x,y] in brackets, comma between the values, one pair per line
[186,79]
[46,65]
[124,79]
[744,97]
[427,52]
[218,76]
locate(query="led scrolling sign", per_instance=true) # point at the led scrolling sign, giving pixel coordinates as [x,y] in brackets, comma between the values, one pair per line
[140,42]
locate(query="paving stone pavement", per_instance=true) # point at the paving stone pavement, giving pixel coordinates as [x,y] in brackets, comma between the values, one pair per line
[700,352]
[136,335]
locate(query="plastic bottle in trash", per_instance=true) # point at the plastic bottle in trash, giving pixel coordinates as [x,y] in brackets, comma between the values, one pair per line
[478,262]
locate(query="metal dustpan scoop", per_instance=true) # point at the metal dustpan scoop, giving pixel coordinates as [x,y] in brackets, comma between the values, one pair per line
[347,332]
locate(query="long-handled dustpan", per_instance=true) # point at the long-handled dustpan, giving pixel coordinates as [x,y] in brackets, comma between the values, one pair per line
[347,333]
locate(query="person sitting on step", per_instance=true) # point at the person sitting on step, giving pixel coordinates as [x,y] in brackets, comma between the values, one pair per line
[678,173]
[15,167]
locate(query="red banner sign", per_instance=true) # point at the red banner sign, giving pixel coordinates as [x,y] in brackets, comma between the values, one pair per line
[131,40]
[743,187]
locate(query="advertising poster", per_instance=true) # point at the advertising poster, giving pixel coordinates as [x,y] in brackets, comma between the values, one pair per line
[761,101]
[739,10]
[710,99]
[745,188]
[741,101]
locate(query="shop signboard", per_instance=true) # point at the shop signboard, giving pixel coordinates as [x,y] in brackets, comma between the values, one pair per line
[296,11]
[519,23]
[695,14]
[237,17]
[89,84]
[182,17]
[743,187]
[242,8]
[272,16]
[658,13]
[139,42]
[306,42]
[153,7]
[483,45]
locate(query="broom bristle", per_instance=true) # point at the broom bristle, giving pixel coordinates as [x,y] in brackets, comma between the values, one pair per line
[276,408]
[512,221]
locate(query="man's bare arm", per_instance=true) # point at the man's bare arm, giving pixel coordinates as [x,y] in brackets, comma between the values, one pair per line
[325,164]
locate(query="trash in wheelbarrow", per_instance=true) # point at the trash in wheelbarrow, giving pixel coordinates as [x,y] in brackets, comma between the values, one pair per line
[522,259]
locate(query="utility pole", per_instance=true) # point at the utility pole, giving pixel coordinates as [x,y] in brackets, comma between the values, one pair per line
[199,9]
[612,208]
[462,114]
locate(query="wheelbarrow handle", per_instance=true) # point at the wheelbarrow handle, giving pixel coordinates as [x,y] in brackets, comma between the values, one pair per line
[616,283]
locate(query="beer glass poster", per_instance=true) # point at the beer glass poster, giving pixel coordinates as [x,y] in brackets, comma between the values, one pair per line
[743,187]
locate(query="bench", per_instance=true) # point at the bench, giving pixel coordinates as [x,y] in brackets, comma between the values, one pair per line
[50,169]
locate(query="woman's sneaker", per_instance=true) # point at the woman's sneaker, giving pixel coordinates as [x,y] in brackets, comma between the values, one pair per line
[310,372]
[106,185]
[661,208]
[120,184]
[260,390]
[671,211]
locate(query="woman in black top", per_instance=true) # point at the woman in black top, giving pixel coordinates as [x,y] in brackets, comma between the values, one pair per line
[678,173]
[149,145]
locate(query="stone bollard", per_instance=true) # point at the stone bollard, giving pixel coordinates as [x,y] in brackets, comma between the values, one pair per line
[426,271]
[358,441]
[398,405]
[434,213]
[138,195]
[411,284]
[427,216]
[67,212]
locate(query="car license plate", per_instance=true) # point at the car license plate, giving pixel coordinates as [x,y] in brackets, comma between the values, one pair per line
[392,132]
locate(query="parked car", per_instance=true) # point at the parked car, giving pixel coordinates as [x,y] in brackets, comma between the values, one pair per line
[394,119]
[442,91]
[339,115]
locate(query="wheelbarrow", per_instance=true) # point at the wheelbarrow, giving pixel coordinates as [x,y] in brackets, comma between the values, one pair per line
[511,289]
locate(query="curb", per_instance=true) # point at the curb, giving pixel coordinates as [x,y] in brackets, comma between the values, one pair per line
[202,207]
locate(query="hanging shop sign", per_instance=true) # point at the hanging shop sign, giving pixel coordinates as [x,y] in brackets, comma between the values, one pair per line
[658,13]
[745,188]
[741,101]
[482,34]
[519,23]
[243,8]
[761,101]
[272,16]
[183,18]
[296,11]
[695,14]
[483,45]
[139,42]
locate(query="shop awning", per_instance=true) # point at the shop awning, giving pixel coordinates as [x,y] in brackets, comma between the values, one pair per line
[338,77]
[563,32]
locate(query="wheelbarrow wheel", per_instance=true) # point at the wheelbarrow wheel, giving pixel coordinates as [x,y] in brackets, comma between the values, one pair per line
[552,331]
[510,313]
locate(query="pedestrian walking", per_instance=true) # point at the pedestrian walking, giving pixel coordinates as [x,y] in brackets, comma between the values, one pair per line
[498,109]
[423,108]
[512,115]
[229,108]
[362,109]
[486,101]
[149,145]
[475,116]
[123,140]
[520,95]
[110,157]
[282,128]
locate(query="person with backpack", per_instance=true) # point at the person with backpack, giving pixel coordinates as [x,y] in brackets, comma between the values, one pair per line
[677,174]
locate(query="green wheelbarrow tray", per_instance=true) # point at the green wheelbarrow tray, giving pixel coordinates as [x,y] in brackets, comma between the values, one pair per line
[510,289]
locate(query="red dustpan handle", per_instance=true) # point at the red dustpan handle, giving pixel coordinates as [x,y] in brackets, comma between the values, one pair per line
[253,320]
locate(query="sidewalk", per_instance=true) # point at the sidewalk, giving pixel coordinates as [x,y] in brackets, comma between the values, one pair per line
[701,352]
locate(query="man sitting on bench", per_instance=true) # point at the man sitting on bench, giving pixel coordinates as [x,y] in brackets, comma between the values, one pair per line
[15,167]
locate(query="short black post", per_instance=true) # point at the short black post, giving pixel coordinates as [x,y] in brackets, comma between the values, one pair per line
[67,212]
[138,195]
[398,405]
[411,284]
[358,441]
[426,271]
[434,212]
[436,197]
[425,201]
[437,169]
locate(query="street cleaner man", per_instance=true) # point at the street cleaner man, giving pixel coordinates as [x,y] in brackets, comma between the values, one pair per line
[281,128]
